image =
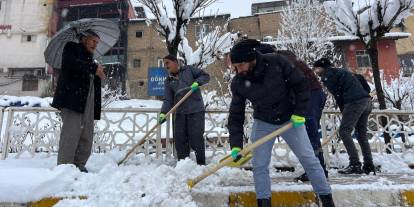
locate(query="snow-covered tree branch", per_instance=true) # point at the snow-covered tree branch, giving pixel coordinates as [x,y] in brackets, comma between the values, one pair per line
[211,47]
[369,20]
[400,92]
[305,30]
[172,24]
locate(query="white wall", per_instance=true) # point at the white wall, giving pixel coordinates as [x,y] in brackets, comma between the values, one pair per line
[27,17]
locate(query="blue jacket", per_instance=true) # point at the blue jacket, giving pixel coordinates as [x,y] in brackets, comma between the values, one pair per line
[177,86]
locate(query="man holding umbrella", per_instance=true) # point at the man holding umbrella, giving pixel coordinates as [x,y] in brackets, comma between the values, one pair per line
[78,97]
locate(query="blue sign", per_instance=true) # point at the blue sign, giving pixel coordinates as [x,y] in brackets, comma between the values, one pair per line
[156,78]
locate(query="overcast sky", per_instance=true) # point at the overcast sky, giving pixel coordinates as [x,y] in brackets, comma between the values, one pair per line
[236,8]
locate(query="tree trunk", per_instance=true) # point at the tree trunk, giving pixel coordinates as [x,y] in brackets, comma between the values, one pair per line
[373,54]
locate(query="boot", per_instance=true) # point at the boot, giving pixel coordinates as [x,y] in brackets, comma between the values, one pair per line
[369,167]
[304,177]
[82,168]
[327,200]
[264,202]
[354,168]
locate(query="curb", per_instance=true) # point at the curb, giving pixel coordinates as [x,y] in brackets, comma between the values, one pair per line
[285,199]
[247,199]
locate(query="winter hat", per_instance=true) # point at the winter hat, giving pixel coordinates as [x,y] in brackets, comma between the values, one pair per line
[323,63]
[88,33]
[171,57]
[244,51]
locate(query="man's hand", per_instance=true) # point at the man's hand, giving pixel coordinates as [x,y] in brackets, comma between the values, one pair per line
[194,86]
[297,121]
[235,152]
[162,118]
[100,72]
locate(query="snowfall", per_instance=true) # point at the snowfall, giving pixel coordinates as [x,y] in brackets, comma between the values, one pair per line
[146,180]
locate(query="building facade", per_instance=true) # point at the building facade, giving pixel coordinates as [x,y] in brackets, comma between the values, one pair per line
[405,47]
[24,27]
[356,58]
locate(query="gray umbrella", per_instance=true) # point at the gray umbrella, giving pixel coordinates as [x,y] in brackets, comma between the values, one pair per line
[108,32]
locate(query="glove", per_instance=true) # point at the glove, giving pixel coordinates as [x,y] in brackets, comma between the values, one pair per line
[235,153]
[162,118]
[297,121]
[194,86]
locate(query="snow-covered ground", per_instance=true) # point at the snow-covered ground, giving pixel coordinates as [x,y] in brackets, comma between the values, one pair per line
[143,182]
[146,181]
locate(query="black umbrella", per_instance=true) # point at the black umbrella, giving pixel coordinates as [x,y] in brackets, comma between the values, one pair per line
[108,32]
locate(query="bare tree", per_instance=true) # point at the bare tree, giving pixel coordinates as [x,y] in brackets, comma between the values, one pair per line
[305,30]
[172,25]
[370,20]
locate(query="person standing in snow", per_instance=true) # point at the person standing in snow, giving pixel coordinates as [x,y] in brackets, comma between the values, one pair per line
[314,109]
[355,104]
[279,94]
[189,117]
[78,97]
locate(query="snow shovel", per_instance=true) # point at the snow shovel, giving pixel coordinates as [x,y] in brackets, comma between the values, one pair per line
[142,141]
[244,152]
[240,162]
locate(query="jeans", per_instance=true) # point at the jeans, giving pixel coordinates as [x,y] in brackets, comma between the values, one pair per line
[299,143]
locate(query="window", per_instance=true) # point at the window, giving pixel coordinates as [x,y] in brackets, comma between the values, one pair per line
[139,34]
[362,58]
[202,30]
[140,12]
[160,63]
[30,83]
[137,63]
[28,38]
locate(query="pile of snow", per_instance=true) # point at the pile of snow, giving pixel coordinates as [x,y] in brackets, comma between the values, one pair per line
[145,181]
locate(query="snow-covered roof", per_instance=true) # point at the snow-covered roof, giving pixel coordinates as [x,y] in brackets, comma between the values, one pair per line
[389,35]
[398,34]
[264,1]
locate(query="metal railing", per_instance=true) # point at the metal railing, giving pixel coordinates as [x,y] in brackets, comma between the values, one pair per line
[400,127]
[33,130]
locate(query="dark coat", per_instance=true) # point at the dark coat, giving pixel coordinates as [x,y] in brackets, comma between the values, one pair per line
[363,82]
[275,88]
[177,86]
[310,75]
[344,86]
[74,79]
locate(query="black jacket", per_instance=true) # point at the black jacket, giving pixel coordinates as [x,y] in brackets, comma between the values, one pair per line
[73,83]
[363,82]
[344,86]
[275,88]
[177,87]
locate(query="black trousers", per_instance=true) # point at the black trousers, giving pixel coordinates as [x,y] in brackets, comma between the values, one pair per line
[188,132]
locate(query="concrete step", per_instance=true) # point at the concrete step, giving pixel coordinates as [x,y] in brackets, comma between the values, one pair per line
[342,198]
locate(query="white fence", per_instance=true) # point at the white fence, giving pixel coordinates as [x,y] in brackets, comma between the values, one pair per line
[33,130]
